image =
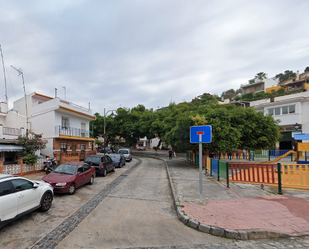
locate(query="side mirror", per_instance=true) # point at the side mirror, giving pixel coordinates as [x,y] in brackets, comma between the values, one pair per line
[35,185]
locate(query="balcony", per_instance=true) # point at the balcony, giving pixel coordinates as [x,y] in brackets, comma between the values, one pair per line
[56,104]
[71,131]
[11,133]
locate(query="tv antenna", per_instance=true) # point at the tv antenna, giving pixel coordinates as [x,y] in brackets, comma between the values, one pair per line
[22,76]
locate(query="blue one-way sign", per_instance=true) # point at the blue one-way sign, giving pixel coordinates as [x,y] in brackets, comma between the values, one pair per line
[200,134]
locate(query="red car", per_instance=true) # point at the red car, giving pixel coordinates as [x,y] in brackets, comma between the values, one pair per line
[69,176]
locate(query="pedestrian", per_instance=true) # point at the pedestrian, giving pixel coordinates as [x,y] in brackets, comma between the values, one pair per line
[170,153]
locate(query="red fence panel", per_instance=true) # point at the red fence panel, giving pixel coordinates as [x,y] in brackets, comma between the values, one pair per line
[253,173]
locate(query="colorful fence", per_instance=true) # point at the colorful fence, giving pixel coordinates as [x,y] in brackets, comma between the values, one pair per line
[295,175]
[251,155]
[292,175]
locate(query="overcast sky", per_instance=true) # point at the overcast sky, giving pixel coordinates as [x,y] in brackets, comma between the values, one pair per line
[121,53]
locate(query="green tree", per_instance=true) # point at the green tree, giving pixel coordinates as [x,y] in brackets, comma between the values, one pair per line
[288,74]
[31,143]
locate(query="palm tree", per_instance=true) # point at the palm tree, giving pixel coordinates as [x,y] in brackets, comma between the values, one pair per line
[261,76]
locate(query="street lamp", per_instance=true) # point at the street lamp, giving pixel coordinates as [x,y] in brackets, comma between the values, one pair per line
[105,125]
[296,127]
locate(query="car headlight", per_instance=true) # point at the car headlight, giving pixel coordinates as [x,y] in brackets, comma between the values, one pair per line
[61,184]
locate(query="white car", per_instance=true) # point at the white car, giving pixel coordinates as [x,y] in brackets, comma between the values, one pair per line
[20,196]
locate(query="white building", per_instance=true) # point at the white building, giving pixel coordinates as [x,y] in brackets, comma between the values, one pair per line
[64,125]
[12,124]
[258,85]
[290,110]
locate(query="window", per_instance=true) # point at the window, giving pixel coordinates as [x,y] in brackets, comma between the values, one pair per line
[80,169]
[65,122]
[291,108]
[83,130]
[5,188]
[21,184]
[63,147]
[107,159]
[82,147]
[285,110]
[86,167]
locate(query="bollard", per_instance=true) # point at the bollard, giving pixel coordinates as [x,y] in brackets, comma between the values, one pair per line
[227,176]
[279,179]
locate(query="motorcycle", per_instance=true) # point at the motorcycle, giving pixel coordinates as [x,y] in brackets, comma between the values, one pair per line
[50,165]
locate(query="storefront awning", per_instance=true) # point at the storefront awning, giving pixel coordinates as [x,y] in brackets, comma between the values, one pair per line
[10,148]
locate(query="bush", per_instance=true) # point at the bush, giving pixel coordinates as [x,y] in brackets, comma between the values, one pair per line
[30,159]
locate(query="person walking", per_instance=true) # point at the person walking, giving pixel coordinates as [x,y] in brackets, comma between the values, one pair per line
[170,153]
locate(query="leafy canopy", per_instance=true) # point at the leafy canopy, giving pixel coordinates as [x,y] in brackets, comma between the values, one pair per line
[233,127]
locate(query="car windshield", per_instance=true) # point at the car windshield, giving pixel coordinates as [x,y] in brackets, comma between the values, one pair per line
[124,151]
[93,159]
[116,156]
[66,169]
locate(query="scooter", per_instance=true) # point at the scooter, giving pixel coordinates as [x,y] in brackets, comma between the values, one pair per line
[50,165]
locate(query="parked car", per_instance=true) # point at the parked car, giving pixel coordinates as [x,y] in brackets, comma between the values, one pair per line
[101,163]
[20,196]
[140,147]
[127,148]
[126,153]
[107,150]
[118,159]
[69,176]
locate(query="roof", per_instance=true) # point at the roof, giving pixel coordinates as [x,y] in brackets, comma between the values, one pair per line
[5,176]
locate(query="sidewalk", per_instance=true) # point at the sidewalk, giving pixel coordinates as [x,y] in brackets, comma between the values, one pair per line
[243,211]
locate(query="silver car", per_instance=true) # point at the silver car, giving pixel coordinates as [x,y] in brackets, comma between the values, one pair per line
[127,154]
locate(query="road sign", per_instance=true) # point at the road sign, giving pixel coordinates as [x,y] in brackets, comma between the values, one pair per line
[200,134]
[302,136]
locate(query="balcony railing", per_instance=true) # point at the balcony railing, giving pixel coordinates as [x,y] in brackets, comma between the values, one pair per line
[71,131]
[11,131]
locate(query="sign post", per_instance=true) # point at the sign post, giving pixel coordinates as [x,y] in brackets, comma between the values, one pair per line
[200,135]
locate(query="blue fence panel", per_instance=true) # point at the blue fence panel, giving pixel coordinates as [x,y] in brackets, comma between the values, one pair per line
[197,159]
[277,153]
[215,166]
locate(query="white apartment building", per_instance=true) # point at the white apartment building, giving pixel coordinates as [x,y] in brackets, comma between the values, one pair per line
[290,110]
[64,125]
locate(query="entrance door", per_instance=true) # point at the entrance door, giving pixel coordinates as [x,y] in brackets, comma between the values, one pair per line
[74,149]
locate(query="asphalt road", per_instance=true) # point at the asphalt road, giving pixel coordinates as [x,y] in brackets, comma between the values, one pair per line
[131,208]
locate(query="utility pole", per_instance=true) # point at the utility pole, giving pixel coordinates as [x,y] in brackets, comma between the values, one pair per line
[6,92]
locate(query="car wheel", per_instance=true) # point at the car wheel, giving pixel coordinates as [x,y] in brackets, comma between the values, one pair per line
[113,170]
[91,180]
[124,163]
[104,172]
[72,189]
[46,202]
[120,164]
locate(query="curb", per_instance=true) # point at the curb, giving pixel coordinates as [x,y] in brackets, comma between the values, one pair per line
[221,232]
